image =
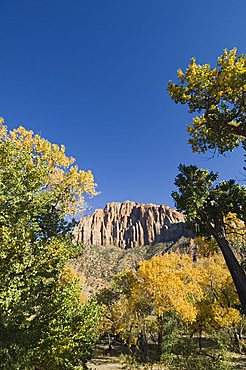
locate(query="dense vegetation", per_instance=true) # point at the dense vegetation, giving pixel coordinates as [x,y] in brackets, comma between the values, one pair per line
[207,206]
[99,265]
[162,310]
[219,95]
[45,321]
[57,298]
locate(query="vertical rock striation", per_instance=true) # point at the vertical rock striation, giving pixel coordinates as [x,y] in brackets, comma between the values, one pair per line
[130,224]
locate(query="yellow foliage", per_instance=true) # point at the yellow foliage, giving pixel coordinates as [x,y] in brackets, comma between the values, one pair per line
[216,94]
[235,228]
[69,273]
[206,247]
[220,297]
[202,294]
[61,177]
[170,279]
[225,317]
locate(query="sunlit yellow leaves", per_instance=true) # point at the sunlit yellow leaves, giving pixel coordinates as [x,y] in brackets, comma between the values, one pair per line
[218,95]
[217,308]
[69,273]
[169,279]
[206,247]
[235,229]
[180,73]
[3,129]
[214,273]
[225,317]
[46,163]
[202,294]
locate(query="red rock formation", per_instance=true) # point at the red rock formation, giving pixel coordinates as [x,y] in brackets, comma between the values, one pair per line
[130,224]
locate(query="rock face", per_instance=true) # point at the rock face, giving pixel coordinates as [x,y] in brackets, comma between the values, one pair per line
[131,224]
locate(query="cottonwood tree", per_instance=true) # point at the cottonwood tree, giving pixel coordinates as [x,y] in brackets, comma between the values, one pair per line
[44,321]
[218,309]
[206,206]
[139,300]
[169,296]
[219,96]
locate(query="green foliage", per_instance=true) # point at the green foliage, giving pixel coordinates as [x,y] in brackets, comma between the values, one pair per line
[218,95]
[172,329]
[195,361]
[60,335]
[44,319]
[203,202]
[207,206]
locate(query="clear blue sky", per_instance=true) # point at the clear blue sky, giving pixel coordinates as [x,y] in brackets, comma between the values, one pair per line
[92,74]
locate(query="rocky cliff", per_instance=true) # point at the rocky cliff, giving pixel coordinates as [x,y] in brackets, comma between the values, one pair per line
[130,224]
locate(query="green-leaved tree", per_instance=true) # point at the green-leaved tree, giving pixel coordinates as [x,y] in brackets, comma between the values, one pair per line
[45,322]
[218,95]
[206,206]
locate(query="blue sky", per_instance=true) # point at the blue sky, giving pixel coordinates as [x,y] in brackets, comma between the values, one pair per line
[92,74]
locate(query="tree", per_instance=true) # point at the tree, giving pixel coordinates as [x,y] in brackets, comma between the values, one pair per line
[140,301]
[236,235]
[170,281]
[219,96]
[218,309]
[206,207]
[43,322]
[167,299]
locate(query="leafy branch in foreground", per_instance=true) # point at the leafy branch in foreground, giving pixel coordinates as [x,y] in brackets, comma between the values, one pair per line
[219,96]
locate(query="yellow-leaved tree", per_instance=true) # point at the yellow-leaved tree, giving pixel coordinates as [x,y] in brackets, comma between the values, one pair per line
[169,291]
[218,95]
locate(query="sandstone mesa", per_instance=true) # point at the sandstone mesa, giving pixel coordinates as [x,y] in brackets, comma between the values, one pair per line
[130,224]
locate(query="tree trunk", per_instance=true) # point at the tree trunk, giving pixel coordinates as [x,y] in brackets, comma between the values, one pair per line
[233,265]
[160,337]
[200,340]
